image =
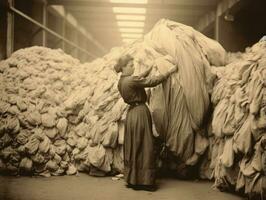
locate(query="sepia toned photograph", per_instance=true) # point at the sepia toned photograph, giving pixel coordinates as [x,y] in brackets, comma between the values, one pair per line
[132,100]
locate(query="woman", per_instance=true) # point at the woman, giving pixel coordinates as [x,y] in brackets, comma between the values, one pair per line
[139,157]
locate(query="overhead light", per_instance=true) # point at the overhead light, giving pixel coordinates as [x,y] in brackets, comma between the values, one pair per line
[131,30]
[130,24]
[131,35]
[131,17]
[129,10]
[129,1]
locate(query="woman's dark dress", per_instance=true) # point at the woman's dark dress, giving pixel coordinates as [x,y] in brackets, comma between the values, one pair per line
[139,157]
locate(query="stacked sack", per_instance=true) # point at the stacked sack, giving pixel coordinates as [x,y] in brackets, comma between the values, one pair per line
[237,137]
[180,121]
[97,114]
[55,118]
[72,116]
[33,129]
[179,106]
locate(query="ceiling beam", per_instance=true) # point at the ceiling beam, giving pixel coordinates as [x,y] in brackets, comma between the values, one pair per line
[150,12]
[178,5]
[111,16]
[111,23]
[148,27]
[95,30]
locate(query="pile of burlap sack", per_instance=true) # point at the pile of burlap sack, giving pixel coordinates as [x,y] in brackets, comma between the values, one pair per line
[54,114]
[178,118]
[59,116]
[237,152]
[33,130]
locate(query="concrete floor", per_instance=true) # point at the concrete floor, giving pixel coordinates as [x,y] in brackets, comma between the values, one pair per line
[85,187]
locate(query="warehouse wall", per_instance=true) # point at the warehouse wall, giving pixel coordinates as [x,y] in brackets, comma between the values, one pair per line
[27,34]
[72,35]
[248,27]
[3,26]
[231,36]
[56,24]
[209,31]
[83,43]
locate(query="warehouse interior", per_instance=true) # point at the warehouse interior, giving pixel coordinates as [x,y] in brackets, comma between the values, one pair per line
[86,23]
[63,118]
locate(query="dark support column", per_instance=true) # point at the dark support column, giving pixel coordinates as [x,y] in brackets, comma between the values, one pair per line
[3,29]
[44,22]
[10,31]
[64,31]
[217,26]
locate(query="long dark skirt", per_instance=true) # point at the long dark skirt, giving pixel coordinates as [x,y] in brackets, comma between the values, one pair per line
[139,156]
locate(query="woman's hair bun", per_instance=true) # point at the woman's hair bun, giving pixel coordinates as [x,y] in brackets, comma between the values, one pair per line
[122,62]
